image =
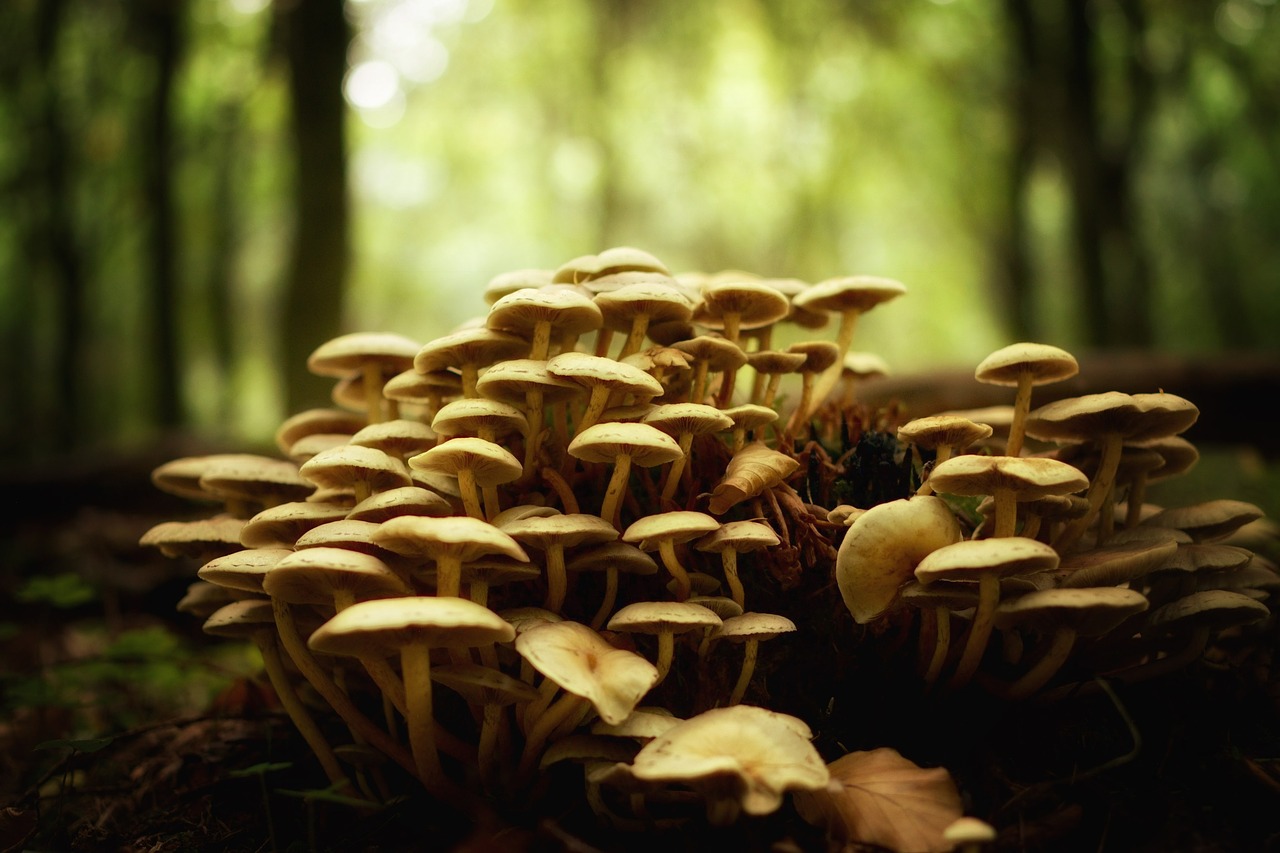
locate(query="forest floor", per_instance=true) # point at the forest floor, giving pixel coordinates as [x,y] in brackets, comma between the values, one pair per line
[124,728]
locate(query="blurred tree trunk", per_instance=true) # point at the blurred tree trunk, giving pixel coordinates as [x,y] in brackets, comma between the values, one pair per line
[1013,248]
[316,38]
[158,24]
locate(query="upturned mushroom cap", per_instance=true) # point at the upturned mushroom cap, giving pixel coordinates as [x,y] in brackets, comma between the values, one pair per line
[583,663]
[882,548]
[745,753]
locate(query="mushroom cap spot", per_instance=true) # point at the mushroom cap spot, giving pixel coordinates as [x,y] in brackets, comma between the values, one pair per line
[242,570]
[634,294]
[679,418]
[676,526]
[405,500]
[347,354]
[740,536]
[753,626]
[646,445]
[1217,608]
[473,346]
[659,617]
[756,304]
[241,619]
[593,371]
[583,663]
[1044,363]
[281,525]
[763,751]
[1027,476]
[386,625]
[311,576]
[850,293]
[1135,417]
[883,546]
[511,381]
[491,463]
[1208,520]
[463,537]
[344,466]
[971,558]
[934,431]
[396,437]
[1089,611]
[567,310]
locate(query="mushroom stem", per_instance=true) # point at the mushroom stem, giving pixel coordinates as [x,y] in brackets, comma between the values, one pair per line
[415,662]
[470,493]
[667,550]
[371,378]
[557,712]
[729,560]
[941,644]
[1006,513]
[617,487]
[942,454]
[666,653]
[1064,640]
[800,415]
[676,471]
[1099,489]
[1021,405]
[979,632]
[749,655]
[610,596]
[830,376]
[449,575]
[557,579]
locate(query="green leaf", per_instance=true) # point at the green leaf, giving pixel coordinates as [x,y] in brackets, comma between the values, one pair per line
[63,591]
[261,769]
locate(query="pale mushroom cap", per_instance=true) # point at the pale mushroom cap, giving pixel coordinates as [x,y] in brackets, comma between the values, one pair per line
[1090,611]
[593,371]
[474,346]
[483,685]
[491,463]
[719,353]
[1208,520]
[818,355]
[969,830]
[697,418]
[242,570]
[317,420]
[396,437]
[757,304]
[405,500]
[649,294]
[411,386]
[1136,417]
[341,467]
[776,361]
[240,619]
[389,624]
[205,538]
[280,526]
[511,381]
[622,259]
[1028,476]
[254,478]
[312,576]
[657,617]
[766,754]
[741,536]
[347,354]
[676,526]
[564,530]
[850,293]
[583,663]
[470,416]
[460,536]
[1044,363]
[934,431]
[644,723]
[970,558]
[181,477]
[750,416]
[644,444]
[568,311]
[753,626]
[512,280]
[621,556]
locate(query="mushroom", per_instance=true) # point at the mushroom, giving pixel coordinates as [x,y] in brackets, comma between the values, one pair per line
[750,629]
[364,470]
[662,532]
[552,535]
[684,422]
[480,467]
[373,356]
[733,539]
[820,356]
[604,377]
[467,351]
[943,434]
[637,300]
[613,558]
[623,444]
[449,541]
[539,312]
[663,619]
[1008,479]
[1023,366]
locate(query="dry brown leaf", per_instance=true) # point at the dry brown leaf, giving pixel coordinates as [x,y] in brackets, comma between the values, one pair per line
[879,797]
[752,469]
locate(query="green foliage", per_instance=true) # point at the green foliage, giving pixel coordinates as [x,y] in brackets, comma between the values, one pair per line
[62,591]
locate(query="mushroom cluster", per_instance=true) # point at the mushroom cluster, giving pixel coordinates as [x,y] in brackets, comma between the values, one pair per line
[562,531]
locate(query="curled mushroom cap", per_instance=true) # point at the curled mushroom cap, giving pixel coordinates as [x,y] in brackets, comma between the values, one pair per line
[741,758]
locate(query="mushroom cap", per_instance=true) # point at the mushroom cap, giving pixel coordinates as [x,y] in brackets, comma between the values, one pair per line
[818,355]
[636,293]
[470,416]
[396,437]
[718,352]
[750,416]
[969,830]
[677,419]
[242,570]
[473,346]
[753,469]
[1217,608]
[405,500]
[561,530]
[644,724]
[411,386]
[1089,611]
[1042,362]
[661,617]
[755,303]
[386,625]
[342,467]
[203,538]
[568,311]
[511,381]
[883,546]
[763,752]
[740,536]
[251,477]
[971,558]
[492,464]
[1135,417]
[676,526]
[483,685]
[620,556]
[1027,476]
[281,525]
[849,293]
[771,362]
[347,354]
[346,533]
[313,575]
[1207,521]
[594,371]
[239,620]
[645,445]
[623,259]
[583,663]
[512,280]
[1114,563]
[753,626]
[313,421]
[461,537]
[934,431]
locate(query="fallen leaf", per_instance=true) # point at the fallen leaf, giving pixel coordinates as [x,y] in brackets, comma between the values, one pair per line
[752,469]
[878,797]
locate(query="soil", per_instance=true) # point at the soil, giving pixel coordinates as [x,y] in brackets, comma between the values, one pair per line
[1186,762]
